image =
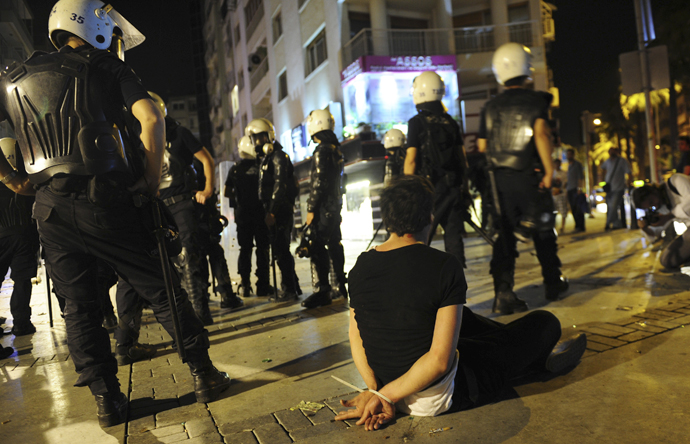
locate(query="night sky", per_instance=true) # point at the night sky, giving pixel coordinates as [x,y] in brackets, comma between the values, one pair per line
[590,34]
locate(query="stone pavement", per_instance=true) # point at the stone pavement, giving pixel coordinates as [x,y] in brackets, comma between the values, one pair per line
[631,386]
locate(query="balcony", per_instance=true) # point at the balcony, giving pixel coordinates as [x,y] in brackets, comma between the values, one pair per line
[258,73]
[415,42]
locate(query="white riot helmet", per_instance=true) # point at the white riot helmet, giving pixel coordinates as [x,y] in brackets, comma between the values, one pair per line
[512,60]
[8,146]
[160,103]
[246,148]
[91,20]
[258,126]
[394,138]
[427,87]
[319,120]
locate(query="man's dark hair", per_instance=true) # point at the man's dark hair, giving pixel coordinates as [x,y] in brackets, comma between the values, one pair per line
[406,204]
[570,150]
[516,81]
[686,139]
[641,194]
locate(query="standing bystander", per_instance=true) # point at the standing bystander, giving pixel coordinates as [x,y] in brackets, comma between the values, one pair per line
[576,179]
[615,169]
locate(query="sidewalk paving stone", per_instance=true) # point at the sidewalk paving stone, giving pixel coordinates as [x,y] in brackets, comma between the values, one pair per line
[604,340]
[323,415]
[598,347]
[200,426]
[204,439]
[319,429]
[167,430]
[141,425]
[292,419]
[272,434]
[241,438]
[644,326]
[246,425]
[182,414]
[632,337]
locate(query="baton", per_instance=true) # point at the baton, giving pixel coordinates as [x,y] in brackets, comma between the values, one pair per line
[160,233]
[374,236]
[273,262]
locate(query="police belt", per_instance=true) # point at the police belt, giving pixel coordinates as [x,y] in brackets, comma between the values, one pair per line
[177,199]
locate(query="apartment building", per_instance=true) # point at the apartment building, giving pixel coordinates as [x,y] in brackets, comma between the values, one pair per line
[357,58]
[184,110]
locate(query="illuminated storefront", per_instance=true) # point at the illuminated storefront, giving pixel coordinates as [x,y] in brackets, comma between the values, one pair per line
[377,90]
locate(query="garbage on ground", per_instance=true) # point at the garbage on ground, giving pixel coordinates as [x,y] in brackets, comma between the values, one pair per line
[267,360]
[310,408]
[624,308]
[642,323]
[439,430]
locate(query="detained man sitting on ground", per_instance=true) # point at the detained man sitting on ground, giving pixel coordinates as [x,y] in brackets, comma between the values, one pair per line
[415,344]
[664,204]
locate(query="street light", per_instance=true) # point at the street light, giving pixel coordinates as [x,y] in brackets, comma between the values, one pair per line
[596,122]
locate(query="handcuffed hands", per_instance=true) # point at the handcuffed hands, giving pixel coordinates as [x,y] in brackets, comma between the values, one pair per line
[372,411]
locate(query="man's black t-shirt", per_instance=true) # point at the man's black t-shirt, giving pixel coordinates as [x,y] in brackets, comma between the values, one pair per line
[182,145]
[396,295]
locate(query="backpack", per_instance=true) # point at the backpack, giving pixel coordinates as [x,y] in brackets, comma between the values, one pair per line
[440,147]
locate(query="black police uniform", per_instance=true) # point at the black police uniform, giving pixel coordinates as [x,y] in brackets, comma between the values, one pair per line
[177,189]
[242,184]
[66,108]
[277,192]
[441,158]
[507,124]
[395,163]
[211,224]
[18,251]
[326,201]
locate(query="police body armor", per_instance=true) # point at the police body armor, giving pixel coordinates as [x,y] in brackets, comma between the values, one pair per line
[441,153]
[509,128]
[277,186]
[60,114]
[245,180]
[395,163]
[327,187]
[174,172]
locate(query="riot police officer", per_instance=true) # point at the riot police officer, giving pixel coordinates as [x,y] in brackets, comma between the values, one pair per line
[277,192]
[241,188]
[394,142]
[515,134]
[323,208]
[84,167]
[435,150]
[177,190]
[18,245]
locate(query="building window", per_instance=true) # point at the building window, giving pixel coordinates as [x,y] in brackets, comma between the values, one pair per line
[277,27]
[518,13]
[237,35]
[251,9]
[282,86]
[178,106]
[316,52]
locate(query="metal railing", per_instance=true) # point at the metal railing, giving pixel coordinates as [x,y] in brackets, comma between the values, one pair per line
[403,42]
[258,73]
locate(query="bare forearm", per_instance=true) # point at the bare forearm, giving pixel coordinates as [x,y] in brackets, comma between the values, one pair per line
[359,355]
[152,137]
[426,370]
[410,161]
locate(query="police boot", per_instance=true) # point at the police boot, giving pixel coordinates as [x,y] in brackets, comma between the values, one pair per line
[208,381]
[127,354]
[112,409]
[555,289]
[197,296]
[506,301]
[264,289]
[245,288]
[228,298]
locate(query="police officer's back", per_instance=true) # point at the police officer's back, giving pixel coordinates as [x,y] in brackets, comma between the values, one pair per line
[515,134]
[435,150]
[241,188]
